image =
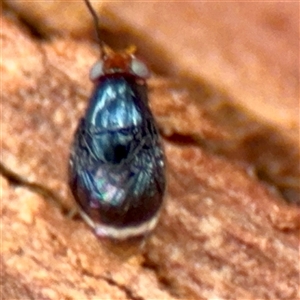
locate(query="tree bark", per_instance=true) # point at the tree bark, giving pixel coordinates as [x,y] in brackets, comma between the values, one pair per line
[225,94]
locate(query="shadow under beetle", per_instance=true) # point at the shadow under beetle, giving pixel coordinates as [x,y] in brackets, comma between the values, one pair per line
[116,167]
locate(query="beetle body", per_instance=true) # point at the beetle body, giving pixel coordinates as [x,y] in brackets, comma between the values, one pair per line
[117,169]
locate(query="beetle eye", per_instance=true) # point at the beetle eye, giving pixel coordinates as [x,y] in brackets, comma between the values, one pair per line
[139,68]
[96,70]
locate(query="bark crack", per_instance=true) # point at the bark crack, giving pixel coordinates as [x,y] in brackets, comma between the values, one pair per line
[17,180]
[109,280]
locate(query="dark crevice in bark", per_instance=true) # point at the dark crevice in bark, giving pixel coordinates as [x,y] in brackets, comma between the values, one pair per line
[29,25]
[164,282]
[130,294]
[183,140]
[109,280]
[16,180]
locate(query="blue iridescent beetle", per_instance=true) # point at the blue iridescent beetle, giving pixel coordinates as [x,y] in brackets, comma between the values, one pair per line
[117,168]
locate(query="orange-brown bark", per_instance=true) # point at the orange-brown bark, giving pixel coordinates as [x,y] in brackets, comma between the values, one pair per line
[226,100]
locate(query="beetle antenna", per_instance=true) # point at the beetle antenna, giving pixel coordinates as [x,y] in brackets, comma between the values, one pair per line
[96,23]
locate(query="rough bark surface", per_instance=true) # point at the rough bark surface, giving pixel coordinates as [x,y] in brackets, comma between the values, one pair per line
[225,96]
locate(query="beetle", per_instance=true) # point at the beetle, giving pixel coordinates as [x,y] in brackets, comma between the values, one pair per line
[117,164]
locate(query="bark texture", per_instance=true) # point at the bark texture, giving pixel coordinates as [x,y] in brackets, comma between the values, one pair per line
[225,95]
